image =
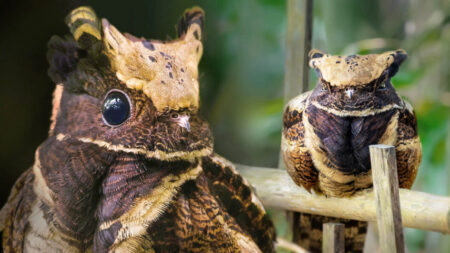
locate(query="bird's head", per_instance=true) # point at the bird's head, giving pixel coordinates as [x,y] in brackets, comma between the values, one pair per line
[129,94]
[356,84]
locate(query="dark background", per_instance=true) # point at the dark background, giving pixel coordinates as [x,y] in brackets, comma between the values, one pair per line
[241,73]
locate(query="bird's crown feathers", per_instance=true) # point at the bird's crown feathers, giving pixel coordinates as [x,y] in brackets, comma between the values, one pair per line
[165,71]
[355,69]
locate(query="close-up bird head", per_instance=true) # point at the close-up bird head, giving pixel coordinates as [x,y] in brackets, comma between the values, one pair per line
[356,85]
[126,93]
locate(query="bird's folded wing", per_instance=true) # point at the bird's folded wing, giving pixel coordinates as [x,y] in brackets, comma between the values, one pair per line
[237,197]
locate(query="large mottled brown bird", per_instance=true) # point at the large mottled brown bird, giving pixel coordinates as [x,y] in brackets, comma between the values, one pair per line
[327,133]
[129,165]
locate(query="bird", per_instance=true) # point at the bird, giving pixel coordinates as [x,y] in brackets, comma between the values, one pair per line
[129,165]
[327,132]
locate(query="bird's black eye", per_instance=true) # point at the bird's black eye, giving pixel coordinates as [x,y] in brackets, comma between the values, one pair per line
[116,108]
[382,85]
[174,115]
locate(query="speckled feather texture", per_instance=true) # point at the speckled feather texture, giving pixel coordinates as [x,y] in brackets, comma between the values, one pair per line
[148,184]
[327,133]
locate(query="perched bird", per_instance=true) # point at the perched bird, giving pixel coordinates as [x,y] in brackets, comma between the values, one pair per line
[327,133]
[129,164]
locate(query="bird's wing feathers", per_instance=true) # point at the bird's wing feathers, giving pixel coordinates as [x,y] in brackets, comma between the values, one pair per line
[14,215]
[408,147]
[237,198]
[296,155]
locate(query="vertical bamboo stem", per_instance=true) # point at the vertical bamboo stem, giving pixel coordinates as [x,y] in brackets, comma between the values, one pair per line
[298,44]
[385,184]
[333,238]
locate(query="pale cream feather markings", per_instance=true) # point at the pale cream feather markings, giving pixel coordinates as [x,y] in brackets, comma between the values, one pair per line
[363,180]
[40,186]
[167,73]
[138,244]
[299,102]
[57,94]
[342,71]
[389,136]
[43,237]
[292,146]
[408,106]
[57,234]
[359,113]
[147,209]
[415,146]
[291,151]
[82,12]
[413,143]
[246,244]
[157,154]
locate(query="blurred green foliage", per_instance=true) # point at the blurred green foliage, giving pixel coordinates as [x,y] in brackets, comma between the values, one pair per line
[242,74]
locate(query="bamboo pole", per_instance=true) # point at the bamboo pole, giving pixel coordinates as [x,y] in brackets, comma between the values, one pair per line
[333,238]
[385,185]
[276,189]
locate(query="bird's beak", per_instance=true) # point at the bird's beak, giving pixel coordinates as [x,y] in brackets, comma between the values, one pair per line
[183,121]
[349,93]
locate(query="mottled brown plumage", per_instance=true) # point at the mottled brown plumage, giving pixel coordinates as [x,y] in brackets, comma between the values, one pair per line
[327,133]
[129,165]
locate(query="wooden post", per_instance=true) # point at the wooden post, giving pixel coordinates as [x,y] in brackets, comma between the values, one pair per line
[298,44]
[333,238]
[385,184]
[296,73]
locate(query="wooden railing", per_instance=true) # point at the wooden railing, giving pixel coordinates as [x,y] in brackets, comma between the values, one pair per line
[391,207]
[276,189]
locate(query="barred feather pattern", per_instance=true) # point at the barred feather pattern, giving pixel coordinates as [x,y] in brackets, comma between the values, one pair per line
[327,133]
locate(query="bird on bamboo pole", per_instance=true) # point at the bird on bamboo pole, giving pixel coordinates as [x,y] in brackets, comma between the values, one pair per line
[327,132]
